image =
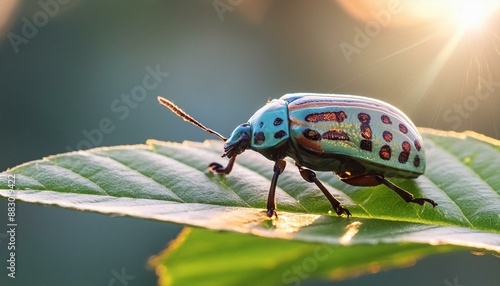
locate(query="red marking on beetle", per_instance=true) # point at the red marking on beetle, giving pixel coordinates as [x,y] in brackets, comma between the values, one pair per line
[405,154]
[386,119]
[364,118]
[403,128]
[366,131]
[403,157]
[334,134]
[416,161]
[406,146]
[363,180]
[385,152]
[308,143]
[418,146]
[387,136]
[338,116]
[311,134]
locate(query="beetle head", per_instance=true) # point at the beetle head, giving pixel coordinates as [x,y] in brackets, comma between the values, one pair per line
[238,142]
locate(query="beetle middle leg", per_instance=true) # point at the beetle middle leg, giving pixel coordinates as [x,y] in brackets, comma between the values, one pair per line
[311,177]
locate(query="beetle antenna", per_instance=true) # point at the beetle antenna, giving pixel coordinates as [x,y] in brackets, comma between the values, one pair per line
[181,113]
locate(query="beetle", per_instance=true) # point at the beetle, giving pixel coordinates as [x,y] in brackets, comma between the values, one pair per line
[360,139]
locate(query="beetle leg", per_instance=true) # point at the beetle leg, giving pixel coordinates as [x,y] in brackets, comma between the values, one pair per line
[279,167]
[408,197]
[311,177]
[219,169]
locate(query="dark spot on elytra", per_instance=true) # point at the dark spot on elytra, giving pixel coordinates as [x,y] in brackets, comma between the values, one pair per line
[277,121]
[386,119]
[366,131]
[335,135]
[261,124]
[403,157]
[405,154]
[280,134]
[385,152]
[311,134]
[406,146]
[364,118]
[418,146]
[403,128]
[366,145]
[338,116]
[259,138]
[416,161]
[387,136]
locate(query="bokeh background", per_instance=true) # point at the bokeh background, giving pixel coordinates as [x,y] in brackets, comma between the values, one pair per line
[72,77]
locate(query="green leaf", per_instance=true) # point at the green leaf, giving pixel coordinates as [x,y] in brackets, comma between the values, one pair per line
[170,182]
[203,257]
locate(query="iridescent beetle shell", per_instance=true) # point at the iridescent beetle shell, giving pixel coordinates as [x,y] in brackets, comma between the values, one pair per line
[362,140]
[326,130]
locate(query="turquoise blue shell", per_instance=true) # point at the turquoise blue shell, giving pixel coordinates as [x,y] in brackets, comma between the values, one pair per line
[269,125]
[350,135]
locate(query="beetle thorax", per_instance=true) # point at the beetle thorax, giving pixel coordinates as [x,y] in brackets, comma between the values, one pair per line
[264,132]
[269,126]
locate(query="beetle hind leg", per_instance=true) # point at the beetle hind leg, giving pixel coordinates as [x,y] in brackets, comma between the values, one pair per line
[311,177]
[408,197]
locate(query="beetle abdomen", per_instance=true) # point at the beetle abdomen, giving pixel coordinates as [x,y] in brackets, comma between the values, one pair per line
[364,129]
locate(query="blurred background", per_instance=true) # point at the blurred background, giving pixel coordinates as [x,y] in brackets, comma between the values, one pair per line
[82,74]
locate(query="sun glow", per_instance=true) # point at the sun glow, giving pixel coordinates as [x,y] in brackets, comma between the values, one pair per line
[452,48]
[464,14]
[472,14]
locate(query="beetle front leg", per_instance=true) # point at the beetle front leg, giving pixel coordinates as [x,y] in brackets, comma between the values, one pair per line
[219,169]
[311,177]
[279,167]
